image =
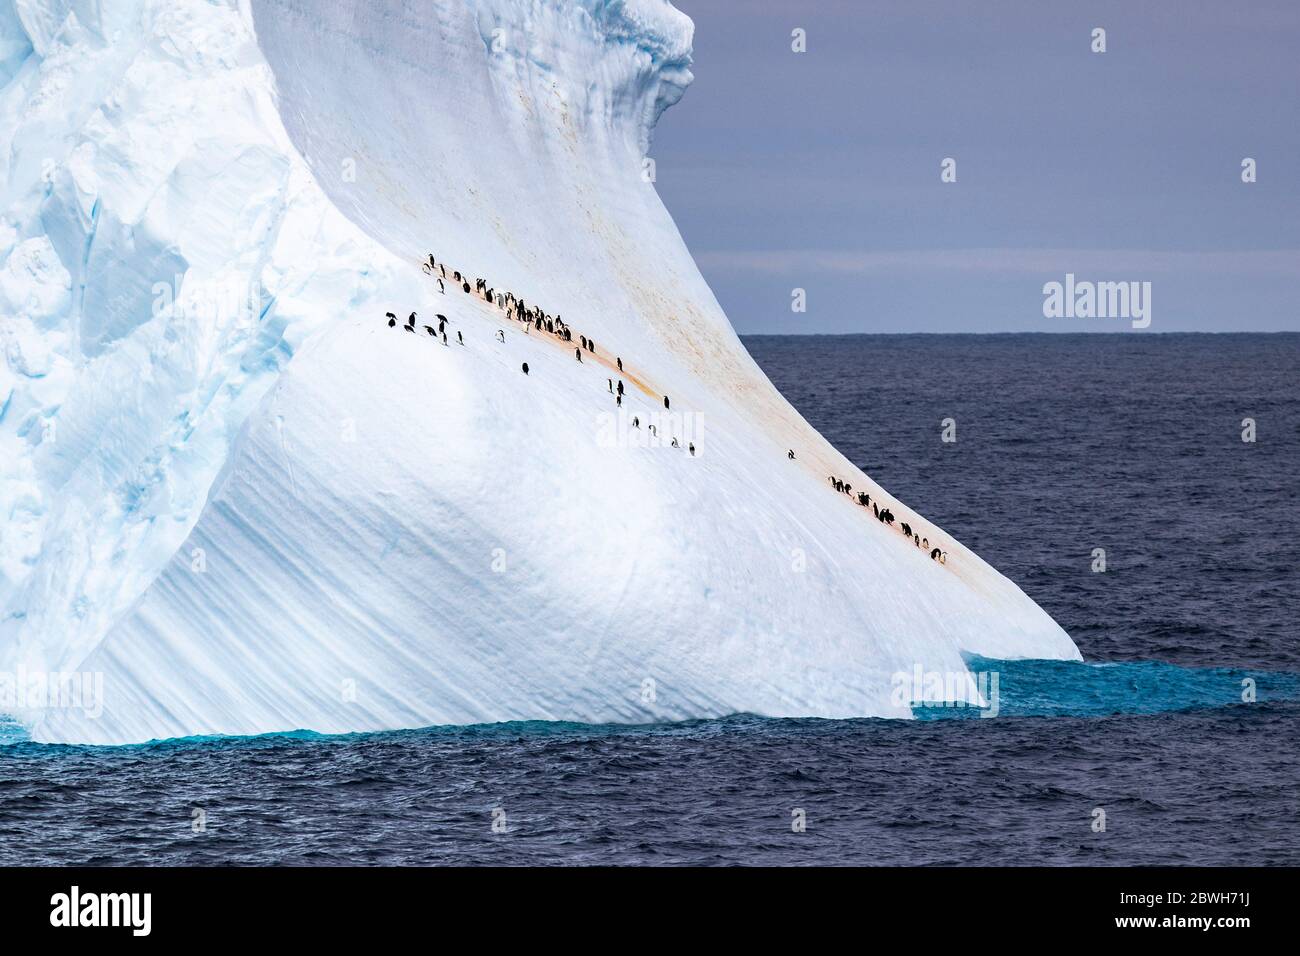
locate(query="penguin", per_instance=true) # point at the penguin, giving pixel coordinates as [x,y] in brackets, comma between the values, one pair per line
[460,338]
[465,286]
[636,422]
[692,448]
[429,329]
[501,335]
[578,354]
[790,454]
[444,338]
[410,319]
[392,319]
[935,554]
[665,401]
[620,368]
[525,368]
[584,341]
[907,529]
[611,384]
[675,445]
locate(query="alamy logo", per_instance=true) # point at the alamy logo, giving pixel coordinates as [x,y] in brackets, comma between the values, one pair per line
[58,690]
[923,688]
[103,909]
[1098,300]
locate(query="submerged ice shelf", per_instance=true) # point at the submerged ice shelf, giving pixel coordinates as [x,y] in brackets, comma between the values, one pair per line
[229,488]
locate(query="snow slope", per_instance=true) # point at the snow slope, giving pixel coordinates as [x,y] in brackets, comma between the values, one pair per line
[231,489]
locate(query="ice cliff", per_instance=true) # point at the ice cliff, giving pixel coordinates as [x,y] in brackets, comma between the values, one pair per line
[230,488]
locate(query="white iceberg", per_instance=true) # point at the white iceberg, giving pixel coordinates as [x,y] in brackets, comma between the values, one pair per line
[229,488]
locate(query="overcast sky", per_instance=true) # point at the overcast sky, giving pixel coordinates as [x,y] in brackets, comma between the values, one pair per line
[821,170]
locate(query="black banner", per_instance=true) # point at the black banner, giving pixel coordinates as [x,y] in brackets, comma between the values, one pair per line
[928,906]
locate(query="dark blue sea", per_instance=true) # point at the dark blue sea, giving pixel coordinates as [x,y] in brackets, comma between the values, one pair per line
[1065,444]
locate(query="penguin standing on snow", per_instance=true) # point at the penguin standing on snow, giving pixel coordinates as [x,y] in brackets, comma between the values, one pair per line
[460,338]
[578,354]
[665,401]
[392,319]
[525,368]
[429,329]
[620,365]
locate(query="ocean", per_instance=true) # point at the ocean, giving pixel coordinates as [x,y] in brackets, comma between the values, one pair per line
[1175,742]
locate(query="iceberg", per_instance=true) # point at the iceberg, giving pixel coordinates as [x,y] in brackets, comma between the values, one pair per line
[229,487]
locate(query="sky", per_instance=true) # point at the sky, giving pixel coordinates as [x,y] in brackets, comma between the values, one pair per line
[821,170]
